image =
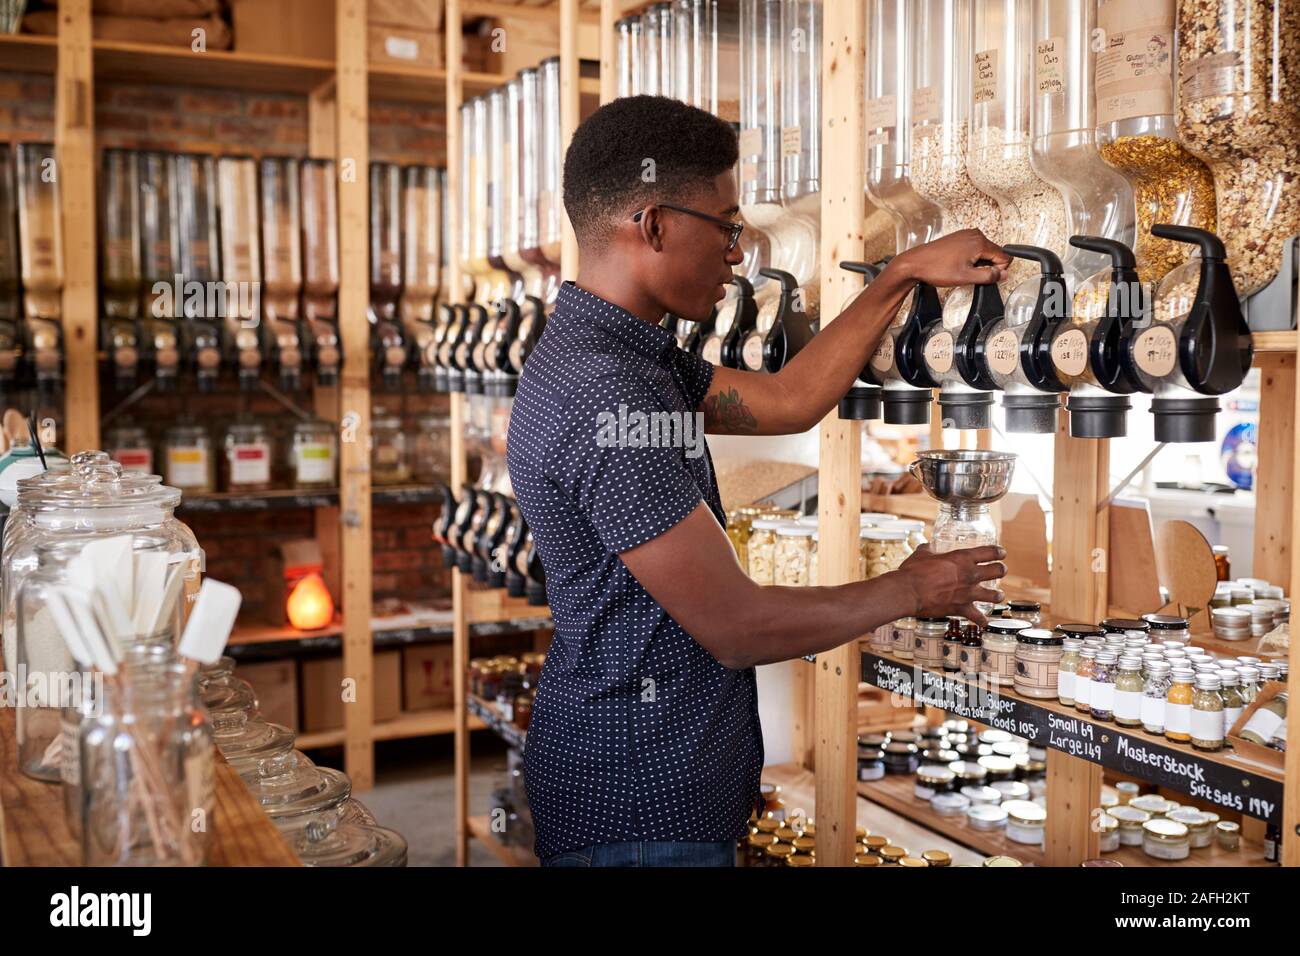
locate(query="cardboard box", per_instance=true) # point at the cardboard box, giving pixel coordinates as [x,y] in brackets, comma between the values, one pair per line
[388,45]
[276,684]
[427,676]
[302,28]
[322,690]
[416,14]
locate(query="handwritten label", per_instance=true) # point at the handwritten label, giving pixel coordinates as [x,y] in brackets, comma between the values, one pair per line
[751,142]
[1049,76]
[881,112]
[1002,352]
[791,140]
[985,87]
[1156,351]
[1213,75]
[938,353]
[751,353]
[1070,352]
[925,105]
[882,359]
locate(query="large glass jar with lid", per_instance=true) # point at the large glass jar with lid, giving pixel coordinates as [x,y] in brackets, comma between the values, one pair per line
[64,519]
[313,455]
[246,456]
[331,839]
[883,550]
[189,462]
[1239,111]
[1137,133]
[294,791]
[390,462]
[761,549]
[792,555]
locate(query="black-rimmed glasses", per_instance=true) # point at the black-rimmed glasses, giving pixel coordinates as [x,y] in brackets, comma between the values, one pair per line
[733,229]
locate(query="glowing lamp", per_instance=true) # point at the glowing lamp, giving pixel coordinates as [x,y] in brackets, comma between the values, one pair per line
[296,592]
[310,606]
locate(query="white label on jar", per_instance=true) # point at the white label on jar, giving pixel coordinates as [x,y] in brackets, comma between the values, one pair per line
[1166,851]
[1153,712]
[925,105]
[1049,77]
[1065,684]
[1263,723]
[1207,724]
[249,464]
[985,88]
[1103,697]
[878,138]
[868,771]
[751,353]
[791,140]
[134,459]
[1230,717]
[1212,75]
[881,112]
[187,466]
[401,48]
[1128,704]
[751,142]
[1083,690]
[1178,718]
[1135,66]
[1002,352]
[1155,351]
[712,350]
[882,359]
[314,462]
[1070,352]
[938,353]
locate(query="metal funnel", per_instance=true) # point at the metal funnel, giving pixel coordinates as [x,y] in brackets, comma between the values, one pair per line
[964,477]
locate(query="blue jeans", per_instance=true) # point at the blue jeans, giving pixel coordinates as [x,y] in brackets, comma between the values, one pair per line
[649,853]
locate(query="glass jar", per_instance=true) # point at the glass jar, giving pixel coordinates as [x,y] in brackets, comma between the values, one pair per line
[1248,676]
[130,447]
[1222,562]
[1038,660]
[931,780]
[761,550]
[86,513]
[1138,134]
[952,645]
[871,763]
[389,458]
[972,650]
[1065,672]
[1200,825]
[188,461]
[1267,725]
[998,650]
[1026,822]
[883,550]
[146,767]
[1168,627]
[246,461]
[432,454]
[903,631]
[313,453]
[1129,690]
[294,791]
[900,758]
[330,840]
[1178,706]
[1030,611]
[1131,820]
[1237,111]
[1107,832]
[1083,678]
[791,556]
[1165,840]
[928,641]
[915,532]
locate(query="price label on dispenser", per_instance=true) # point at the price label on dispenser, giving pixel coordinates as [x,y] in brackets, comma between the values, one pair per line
[938,353]
[1002,351]
[1156,351]
[1070,352]
[882,359]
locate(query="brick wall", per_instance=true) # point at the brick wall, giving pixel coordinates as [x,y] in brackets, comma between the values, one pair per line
[407,565]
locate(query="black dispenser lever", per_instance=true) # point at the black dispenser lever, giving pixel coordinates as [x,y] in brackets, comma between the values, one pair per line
[862,402]
[790,331]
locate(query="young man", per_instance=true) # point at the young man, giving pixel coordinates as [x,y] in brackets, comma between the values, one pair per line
[644,746]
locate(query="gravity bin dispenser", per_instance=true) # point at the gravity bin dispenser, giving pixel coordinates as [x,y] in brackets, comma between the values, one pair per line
[119,265]
[388,346]
[320,270]
[241,267]
[282,268]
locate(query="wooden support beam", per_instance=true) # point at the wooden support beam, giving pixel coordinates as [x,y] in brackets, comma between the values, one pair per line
[570,113]
[609,15]
[839,480]
[1291,792]
[1275,485]
[353,162]
[74,143]
[1073,791]
[1080,533]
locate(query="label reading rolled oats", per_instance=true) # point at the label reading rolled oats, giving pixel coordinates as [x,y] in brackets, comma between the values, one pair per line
[1156,351]
[1135,67]
[1070,352]
[1049,76]
[938,353]
[751,141]
[1002,352]
[985,88]
[881,112]
[925,105]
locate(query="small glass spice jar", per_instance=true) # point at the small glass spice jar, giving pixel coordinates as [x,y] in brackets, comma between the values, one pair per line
[129,446]
[246,460]
[188,461]
[1030,611]
[1178,705]
[1230,691]
[1200,825]
[1065,672]
[1038,660]
[1164,839]
[313,455]
[998,650]
[1026,822]
[928,641]
[1228,835]
[1104,672]
[952,646]
[1168,627]
[1129,688]
[1207,713]
[390,462]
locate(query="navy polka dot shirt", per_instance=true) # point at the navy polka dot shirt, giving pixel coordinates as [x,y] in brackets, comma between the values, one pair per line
[637,733]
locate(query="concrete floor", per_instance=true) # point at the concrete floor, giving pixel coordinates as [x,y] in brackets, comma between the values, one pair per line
[413,794]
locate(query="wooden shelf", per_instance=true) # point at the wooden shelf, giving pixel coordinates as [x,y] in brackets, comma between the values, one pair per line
[223,69]
[490,716]
[1275,341]
[34,830]
[389,633]
[418,723]
[289,498]
[481,829]
[26,53]
[1224,778]
[895,793]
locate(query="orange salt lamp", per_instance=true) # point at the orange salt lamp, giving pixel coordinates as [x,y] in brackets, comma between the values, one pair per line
[310,606]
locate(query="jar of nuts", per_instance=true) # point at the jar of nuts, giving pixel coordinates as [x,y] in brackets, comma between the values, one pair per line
[761,549]
[791,559]
[883,550]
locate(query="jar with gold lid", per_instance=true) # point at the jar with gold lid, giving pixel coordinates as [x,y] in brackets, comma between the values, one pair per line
[1228,835]
[1164,839]
[777,854]
[1001,861]
[1200,825]
[756,847]
[912,862]
[866,860]
[875,843]
[1130,820]
[799,860]
[1107,831]
[1153,804]
[892,854]
[1026,822]
[937,857]
[804,845]
[773,802]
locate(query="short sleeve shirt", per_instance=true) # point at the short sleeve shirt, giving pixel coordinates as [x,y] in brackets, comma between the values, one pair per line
[637,732]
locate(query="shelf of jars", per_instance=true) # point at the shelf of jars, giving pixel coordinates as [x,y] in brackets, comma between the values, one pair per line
[290,498]
[34,829]
[271,639]
[490,714]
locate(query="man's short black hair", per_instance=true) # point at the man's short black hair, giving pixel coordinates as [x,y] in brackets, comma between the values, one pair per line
[638,150]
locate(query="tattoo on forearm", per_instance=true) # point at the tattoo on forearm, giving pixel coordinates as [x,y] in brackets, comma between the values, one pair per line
[727,412]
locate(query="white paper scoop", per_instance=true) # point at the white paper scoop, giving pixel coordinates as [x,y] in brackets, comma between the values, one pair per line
[210,622]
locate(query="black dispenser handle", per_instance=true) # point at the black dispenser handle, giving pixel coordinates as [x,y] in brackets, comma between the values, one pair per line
[1215,348]
[986,308]
[1108,351]
[926,312]
[869,270]
[742,324]
[790,331]
[1052,308]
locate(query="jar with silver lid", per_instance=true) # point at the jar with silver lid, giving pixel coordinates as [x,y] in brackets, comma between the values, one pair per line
[1102,701]
[1207,713]
[927,641]
[1030,611]
[1167,627]
[1129,689]
[1038,659]
[998,650]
